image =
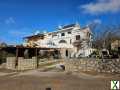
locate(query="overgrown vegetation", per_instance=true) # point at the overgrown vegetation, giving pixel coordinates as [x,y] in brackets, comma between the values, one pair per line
[104,39]
[106,36]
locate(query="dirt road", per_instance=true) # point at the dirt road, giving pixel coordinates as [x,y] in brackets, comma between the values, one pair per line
[34,80]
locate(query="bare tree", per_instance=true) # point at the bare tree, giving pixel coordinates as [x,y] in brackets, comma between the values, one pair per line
[106,37]
[3,44]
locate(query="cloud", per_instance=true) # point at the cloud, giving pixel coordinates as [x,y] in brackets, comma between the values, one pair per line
[94,21]
[101,6]
[98,21]
[10,20]
[19,32]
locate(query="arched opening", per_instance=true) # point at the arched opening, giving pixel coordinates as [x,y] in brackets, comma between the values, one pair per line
[62,41]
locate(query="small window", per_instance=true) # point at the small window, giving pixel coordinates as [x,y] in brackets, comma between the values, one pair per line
[62,34]
[54,35]
[69,32]
[77,37]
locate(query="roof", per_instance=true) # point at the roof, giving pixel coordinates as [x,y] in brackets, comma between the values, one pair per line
[34,36]
[68,26]
[65,28]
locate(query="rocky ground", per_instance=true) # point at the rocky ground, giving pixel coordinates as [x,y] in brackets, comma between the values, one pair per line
[36,80]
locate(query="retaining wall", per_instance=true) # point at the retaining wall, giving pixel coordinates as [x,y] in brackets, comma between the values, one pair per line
[98,65]
[80,65]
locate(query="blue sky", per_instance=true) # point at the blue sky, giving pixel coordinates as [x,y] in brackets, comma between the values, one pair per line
[19,18]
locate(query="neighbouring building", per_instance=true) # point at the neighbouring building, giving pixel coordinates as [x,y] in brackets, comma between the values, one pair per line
[31,40]
[72,40]
[115,44]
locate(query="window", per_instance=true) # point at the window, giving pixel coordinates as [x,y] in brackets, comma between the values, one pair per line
[77,37]
[62,34]
[51,43]
[69,32]
[62,41]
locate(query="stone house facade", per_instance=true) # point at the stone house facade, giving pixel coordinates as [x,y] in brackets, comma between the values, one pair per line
[72,40]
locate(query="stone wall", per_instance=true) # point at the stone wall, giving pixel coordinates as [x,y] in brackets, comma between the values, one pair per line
[44,62]
[25,64]
[98,65]
[80,65]
[10,63]
[109,65]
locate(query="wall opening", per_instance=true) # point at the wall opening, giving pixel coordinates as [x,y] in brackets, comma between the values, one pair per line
[66,53]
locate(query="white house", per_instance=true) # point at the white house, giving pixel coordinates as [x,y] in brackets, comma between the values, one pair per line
[72,40]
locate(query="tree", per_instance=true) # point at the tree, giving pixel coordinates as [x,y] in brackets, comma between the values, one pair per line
[3,44]
[106,37]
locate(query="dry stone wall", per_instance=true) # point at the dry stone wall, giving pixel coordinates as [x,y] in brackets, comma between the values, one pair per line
[98,65]
[10,63]
[25,64]
[80,65]
[109,65]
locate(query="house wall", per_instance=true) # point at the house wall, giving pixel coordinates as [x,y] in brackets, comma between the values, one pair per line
[115,44]
[66,53]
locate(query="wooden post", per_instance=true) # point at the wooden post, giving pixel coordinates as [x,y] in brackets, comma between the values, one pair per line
[16,61]
[36,56]
[86,65]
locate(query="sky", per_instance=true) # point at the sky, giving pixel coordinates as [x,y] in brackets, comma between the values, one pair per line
[20,18]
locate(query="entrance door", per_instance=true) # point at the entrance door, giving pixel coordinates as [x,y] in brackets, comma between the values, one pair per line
[66,53]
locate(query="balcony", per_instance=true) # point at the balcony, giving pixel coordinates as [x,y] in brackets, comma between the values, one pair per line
[77,43]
